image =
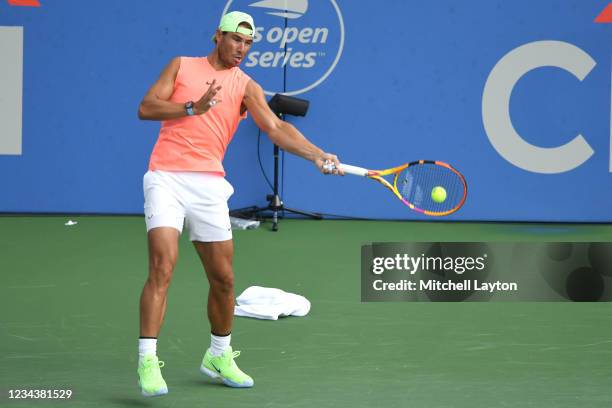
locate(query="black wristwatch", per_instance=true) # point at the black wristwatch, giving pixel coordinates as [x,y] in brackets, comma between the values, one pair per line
[189,108]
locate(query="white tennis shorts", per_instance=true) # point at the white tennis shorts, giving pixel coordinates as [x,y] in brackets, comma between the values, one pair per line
[195,198]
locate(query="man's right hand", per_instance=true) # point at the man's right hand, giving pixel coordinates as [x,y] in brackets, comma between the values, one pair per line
[207,101]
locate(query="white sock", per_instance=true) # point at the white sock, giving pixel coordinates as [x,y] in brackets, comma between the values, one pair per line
[218,344]
[146,347]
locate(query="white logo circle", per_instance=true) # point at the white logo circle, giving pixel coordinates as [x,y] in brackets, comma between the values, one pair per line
[294,9]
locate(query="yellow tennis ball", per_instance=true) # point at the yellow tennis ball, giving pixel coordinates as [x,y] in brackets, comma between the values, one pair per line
[438,194]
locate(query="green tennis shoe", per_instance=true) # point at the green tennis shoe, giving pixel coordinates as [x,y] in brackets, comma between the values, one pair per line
[150,379]
[225,368]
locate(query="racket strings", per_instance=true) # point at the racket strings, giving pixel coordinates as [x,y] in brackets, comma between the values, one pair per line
[416,184]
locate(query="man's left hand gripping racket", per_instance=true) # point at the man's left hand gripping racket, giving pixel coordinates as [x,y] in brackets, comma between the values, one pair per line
[432,188]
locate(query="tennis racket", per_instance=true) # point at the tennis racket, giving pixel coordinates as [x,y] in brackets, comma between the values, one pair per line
[429,187]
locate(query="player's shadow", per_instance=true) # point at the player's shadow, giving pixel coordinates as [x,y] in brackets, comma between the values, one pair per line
[154,402]
[205,382]
[131,402]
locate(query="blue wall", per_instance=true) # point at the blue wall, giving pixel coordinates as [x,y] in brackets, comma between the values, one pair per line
[407,85]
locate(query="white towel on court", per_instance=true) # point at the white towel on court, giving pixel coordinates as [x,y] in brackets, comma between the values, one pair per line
[270,303]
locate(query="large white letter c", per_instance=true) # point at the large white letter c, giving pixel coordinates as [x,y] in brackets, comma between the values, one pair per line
[496,106]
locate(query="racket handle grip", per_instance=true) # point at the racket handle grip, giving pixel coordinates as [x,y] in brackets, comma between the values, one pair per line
[347,169]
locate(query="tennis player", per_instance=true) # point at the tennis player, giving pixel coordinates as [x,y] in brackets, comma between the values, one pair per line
[200,102]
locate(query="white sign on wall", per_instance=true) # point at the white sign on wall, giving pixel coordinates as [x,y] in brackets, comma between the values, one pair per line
[11,88]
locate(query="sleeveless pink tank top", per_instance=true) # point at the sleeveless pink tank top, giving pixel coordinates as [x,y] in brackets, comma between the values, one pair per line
[198,143]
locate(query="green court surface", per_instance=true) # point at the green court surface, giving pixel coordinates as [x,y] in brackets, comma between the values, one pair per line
[69,301]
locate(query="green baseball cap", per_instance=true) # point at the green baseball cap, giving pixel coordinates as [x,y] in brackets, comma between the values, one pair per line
[231,23]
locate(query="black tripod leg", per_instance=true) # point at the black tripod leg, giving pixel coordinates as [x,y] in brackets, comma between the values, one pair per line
[275,220]
[316,216]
